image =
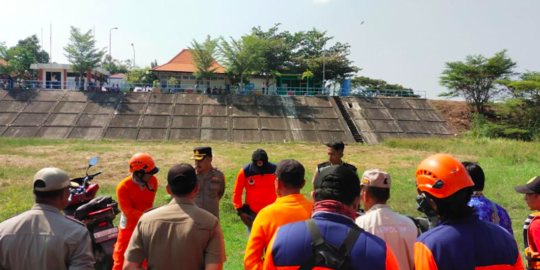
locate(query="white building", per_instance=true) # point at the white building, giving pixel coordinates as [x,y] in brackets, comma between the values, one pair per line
[61,76]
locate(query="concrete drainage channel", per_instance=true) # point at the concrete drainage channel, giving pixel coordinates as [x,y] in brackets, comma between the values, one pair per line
[54,114]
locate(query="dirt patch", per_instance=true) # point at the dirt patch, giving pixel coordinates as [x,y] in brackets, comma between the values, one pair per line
[457,113]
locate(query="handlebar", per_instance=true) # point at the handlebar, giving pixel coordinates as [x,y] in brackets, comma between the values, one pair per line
[90,177]
[82,181]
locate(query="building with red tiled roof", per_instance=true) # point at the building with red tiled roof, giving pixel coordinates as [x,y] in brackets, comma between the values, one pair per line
[183,62]
[182,67]
[3,62]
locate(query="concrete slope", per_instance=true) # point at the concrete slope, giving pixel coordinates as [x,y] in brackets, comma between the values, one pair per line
[159,116]
[177,117]
[378,119]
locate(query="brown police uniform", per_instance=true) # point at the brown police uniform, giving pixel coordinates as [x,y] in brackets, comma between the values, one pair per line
[211,184]
[211,190]
[43,238]
[179,234]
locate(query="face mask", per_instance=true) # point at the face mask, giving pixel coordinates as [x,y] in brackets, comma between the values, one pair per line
[137,178]
[424,206]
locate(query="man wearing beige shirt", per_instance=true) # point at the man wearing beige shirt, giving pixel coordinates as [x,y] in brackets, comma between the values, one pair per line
[179,235]
[43,238]
[398,231]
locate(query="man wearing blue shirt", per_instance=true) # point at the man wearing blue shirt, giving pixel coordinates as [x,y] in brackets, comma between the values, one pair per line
[484,208]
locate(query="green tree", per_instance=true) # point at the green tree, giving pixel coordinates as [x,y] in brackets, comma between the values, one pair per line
[369,83]
[31,43]
[366,85]
[141,75]
[476,78]
[22,56]
[81,51]
[7,55]
[307,75]
[204,57]
[241,57]
[117,66]
[277,48]
[528,86]
[310,54]
[172,81]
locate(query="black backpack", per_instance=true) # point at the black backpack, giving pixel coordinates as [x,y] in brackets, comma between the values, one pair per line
[327,255]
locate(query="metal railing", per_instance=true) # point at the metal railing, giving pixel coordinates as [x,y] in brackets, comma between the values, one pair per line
[388,93]
[8,84]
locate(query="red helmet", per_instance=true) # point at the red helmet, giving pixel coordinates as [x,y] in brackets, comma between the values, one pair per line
[442,175]
[142,162]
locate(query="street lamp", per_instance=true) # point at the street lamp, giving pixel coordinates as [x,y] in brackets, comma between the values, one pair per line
[133,54]
[110,50]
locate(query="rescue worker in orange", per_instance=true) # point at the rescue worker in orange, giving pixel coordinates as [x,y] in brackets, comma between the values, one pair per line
[461,240]
[531,229]
[291,206]
[135,195]
[257,178]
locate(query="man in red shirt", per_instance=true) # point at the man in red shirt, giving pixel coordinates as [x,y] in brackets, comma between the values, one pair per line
[135,195]
[531,229]
[258,179]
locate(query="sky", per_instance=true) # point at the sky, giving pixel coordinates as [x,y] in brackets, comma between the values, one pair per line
[403,42]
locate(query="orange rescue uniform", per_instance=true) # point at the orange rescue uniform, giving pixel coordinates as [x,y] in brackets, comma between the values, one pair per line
[284,210]
[260,188]
[133,200]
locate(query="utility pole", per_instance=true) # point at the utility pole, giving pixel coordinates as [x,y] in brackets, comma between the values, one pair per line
[42,44]
[110,51]
[50,46]
[133,54]
[324,68]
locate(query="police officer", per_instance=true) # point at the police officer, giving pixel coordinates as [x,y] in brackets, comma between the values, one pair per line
[334,151]
[43,238]
[211,180]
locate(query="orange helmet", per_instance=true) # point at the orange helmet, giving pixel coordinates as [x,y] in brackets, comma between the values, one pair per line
[142,162]
[442,175]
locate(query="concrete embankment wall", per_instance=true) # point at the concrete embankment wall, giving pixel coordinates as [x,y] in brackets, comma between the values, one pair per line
[55,114]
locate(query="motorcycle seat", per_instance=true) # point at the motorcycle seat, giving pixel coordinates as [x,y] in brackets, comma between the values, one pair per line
[96,204]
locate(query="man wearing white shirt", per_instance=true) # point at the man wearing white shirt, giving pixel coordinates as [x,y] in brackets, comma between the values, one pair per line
[398,231]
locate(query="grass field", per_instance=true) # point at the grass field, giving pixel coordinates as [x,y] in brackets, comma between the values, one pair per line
[506,163]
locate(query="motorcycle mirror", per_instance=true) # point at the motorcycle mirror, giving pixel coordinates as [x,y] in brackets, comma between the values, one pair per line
[93,161]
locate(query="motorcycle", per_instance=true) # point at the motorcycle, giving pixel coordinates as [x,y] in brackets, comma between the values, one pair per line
[97,214]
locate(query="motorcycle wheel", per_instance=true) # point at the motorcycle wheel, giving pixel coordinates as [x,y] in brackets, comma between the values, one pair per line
[103,261]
